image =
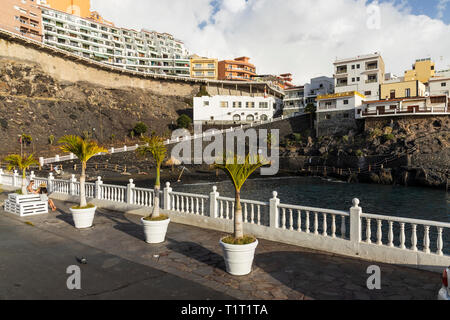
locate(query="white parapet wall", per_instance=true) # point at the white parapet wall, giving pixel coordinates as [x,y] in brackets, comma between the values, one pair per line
[414,243]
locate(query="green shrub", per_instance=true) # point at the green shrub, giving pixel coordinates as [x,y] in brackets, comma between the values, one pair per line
[140,128]
[161,217]
[376,133]
[359,153]
[389,137]
[297,137]
[89,206]
[387,130]
[203,92]
[51,139]
[26,139]
[345,139]
[184,122]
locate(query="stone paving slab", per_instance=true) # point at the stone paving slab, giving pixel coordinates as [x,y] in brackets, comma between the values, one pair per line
[280,271]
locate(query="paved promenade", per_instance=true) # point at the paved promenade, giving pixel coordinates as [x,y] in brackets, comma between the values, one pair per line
[189,265]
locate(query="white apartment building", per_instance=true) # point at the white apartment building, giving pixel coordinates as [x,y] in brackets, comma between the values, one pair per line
[143,51]
[363,74]
[297,98]
[234,109]
[439,86]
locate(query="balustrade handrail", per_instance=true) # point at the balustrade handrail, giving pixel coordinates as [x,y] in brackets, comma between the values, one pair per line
[189,195]
[113,186]
[143,189]
[407,220]
[245,201]
[312,209]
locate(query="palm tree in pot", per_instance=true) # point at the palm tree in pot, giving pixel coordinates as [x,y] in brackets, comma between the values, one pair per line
[23,163]
[239,249]
[155,225]
[84,149]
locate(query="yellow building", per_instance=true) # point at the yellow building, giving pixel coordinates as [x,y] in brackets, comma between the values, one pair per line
[423,70]
[402,89]
[204,68]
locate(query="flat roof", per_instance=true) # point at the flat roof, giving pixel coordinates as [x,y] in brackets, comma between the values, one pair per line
[357,58]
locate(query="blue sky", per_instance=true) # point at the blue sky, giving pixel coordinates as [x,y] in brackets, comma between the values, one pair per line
[432,8]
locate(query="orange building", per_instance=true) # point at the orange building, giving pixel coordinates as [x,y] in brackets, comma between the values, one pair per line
[81,8]
[21,17]
[238,69]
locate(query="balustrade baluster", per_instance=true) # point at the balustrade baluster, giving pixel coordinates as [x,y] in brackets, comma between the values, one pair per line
[307,222]
[245,212]
[379,233]
[368,231]
[325,226]
[391,234]
[343,227]
[299,220]
[283,218]
[402,236]
[203,207]
[426,240]
[440,243]
[316,223]
[291,220]
[197,209]
[333,226]
[220,208]
[232,210]
[259,215]
[414,238]
[253,214]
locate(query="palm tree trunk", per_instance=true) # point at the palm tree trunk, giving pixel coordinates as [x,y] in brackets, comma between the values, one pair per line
[155,213]
[83,202]
[24,179]
[238,223]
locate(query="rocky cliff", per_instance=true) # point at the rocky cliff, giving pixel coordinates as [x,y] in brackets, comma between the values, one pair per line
[36,103]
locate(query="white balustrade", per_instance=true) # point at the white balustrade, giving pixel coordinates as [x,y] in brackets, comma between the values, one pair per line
[113,193]
[188,203]
[143,197]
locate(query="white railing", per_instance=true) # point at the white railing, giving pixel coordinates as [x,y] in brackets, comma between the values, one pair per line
[352,233]
[400,232]
[313,220]
[188,203]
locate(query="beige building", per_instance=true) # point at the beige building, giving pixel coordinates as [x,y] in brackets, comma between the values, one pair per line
[402,89]
[204,68]
[22,17]
[438,86]
[422,70]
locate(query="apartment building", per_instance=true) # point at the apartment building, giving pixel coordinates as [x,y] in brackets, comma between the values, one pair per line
[363,74]
[297,98]
[22,17]
[398,88]
[234,109]
[422,70]
[282,81]
[337,112]
[239,69]
[80,8]
[204,68]
[143,51]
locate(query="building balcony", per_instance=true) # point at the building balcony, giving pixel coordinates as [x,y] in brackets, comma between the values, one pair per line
[372,81]
[342,71]
[341,85]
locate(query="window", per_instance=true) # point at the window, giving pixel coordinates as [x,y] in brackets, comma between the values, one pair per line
[392,94]
[408,93]
[236,117]
[353,79]
[328,117]
[263,105]
[443,84]
[264,117]
[250,118]
[224,104]
[346,115]
[345,102]
[328,104]
[237,104]
[250,105]
[198,65]
[206,103]
[358,79]
[358,66]
[367,93]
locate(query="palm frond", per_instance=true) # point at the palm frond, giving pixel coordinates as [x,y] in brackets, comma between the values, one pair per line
[83,148]
[15,160]
[154,146]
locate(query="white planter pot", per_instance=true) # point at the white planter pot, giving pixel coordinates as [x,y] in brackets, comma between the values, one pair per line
[83,218]
[239,258]
[155,231]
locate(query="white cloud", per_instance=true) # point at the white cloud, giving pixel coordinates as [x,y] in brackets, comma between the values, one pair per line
[299,36]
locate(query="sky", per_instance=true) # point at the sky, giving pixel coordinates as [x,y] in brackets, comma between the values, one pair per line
[302,37]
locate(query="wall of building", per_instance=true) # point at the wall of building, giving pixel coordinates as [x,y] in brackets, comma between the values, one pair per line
[23,18]
[423,71]
[225,108]
[333,122]
[417,89]
[241,70]
[439,86]
[205,66]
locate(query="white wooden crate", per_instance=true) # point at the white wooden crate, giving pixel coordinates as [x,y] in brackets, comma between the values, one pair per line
[25,205]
